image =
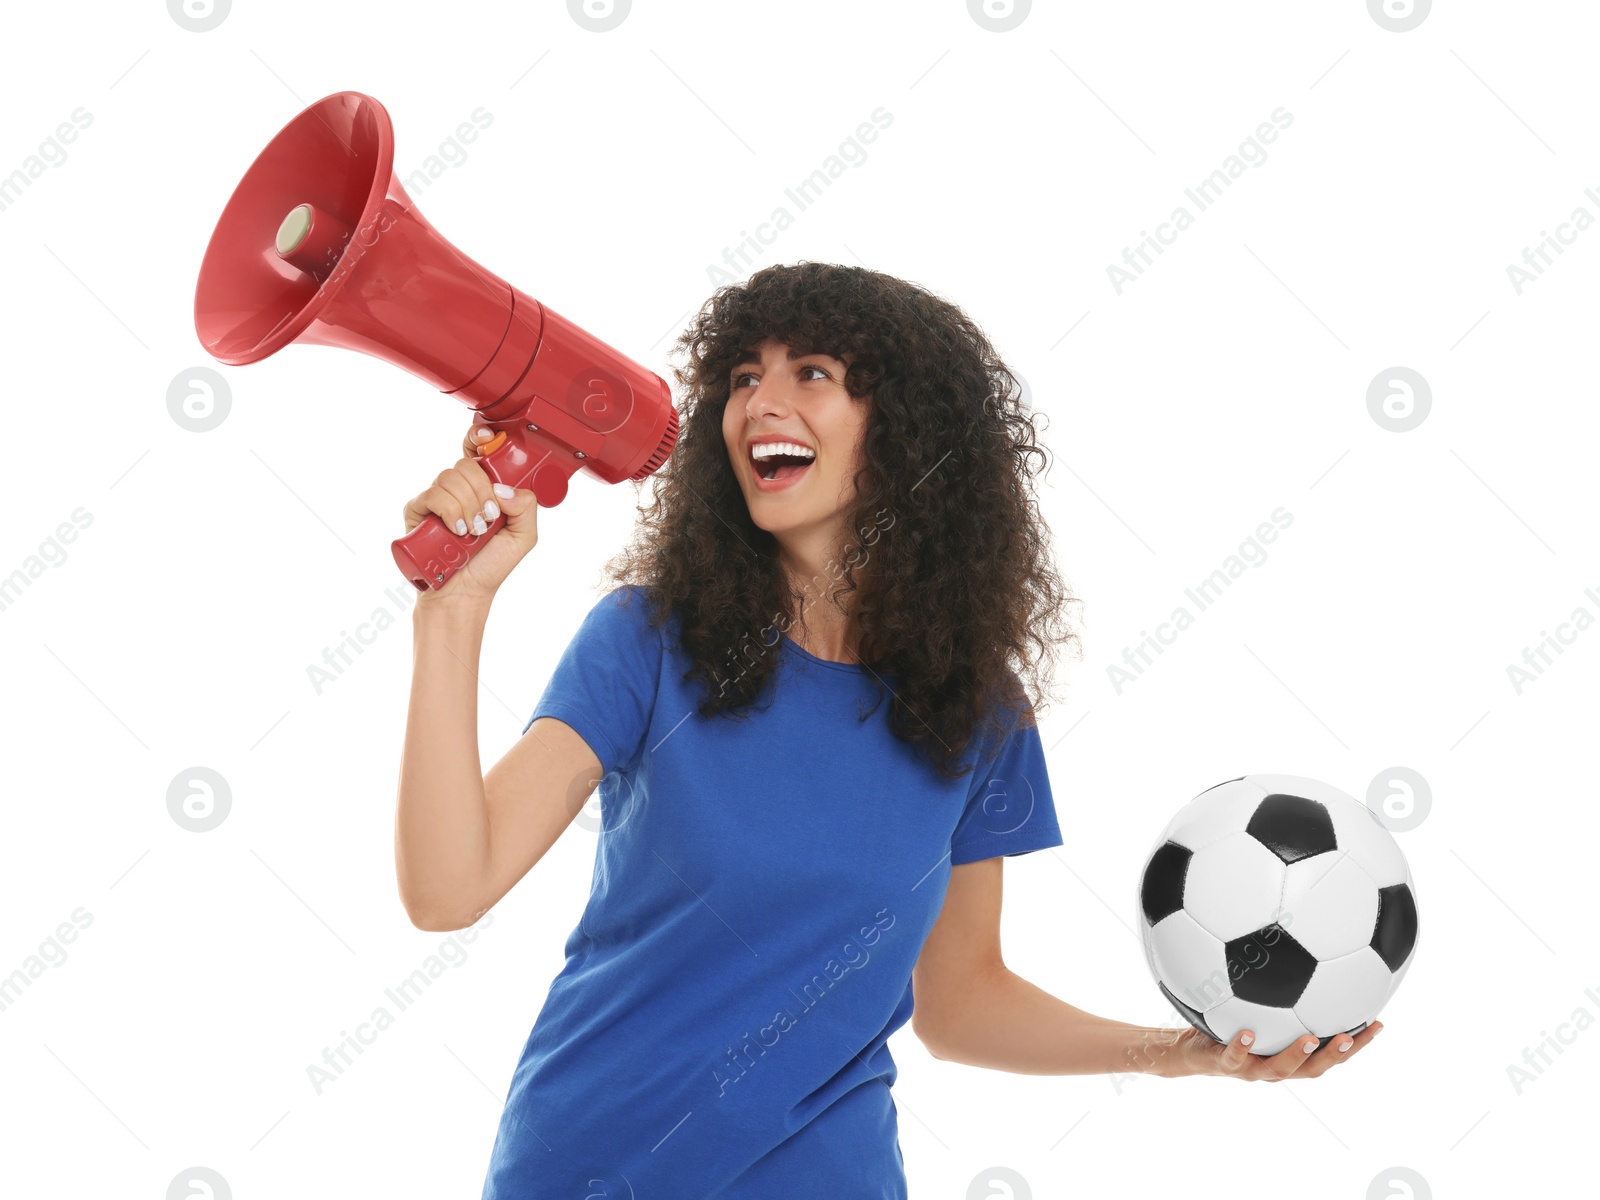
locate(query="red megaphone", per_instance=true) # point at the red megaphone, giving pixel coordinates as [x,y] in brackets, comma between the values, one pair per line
[319,243]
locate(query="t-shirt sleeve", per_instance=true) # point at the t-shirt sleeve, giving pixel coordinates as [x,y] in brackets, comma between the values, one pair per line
[604,685]
[1011,809]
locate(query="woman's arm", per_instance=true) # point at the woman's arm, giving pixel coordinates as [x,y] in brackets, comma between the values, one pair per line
[971,1008]
[463,839]
[441,832]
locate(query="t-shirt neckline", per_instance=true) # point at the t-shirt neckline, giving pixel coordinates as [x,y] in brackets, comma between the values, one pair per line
[854,668]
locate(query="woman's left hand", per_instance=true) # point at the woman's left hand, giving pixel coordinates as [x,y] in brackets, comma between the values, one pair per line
[1194,1053]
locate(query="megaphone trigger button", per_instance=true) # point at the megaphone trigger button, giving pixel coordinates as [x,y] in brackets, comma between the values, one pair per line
[487,448]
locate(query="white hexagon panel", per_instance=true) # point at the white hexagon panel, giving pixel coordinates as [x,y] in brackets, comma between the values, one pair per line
[1344,992]
[1233,886]
[1330,904]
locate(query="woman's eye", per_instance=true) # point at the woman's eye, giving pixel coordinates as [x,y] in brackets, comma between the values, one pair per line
[738,379]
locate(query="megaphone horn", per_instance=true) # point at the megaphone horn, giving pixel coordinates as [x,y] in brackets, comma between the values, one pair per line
[320,243]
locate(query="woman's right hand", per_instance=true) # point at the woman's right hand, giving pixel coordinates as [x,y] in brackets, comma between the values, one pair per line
[465,493]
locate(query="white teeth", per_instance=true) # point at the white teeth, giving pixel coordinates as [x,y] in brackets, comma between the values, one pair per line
[768,449]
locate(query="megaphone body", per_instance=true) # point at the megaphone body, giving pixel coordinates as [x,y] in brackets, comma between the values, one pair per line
[320,243]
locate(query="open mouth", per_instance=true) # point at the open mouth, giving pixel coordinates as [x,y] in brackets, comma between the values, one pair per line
[779,466]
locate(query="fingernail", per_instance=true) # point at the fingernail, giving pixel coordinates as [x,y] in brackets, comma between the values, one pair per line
[482,433]
[1310,1046]
[478,525]
[1377,1031]
[1343,1046]
[491,510]
[461,527]
[1246,1038]
[504,491]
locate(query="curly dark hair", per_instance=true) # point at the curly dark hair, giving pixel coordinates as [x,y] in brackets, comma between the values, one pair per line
[952,569]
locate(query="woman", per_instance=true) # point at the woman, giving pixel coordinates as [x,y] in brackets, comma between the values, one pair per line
[812,759]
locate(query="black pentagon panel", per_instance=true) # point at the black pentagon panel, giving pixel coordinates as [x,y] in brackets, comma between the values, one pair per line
[1292,827]
[1396,931]
[1321,1042]
[1269,967]
[1194,1018]
[1161,893]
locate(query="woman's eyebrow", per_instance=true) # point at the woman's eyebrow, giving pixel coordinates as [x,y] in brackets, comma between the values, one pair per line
[791,355]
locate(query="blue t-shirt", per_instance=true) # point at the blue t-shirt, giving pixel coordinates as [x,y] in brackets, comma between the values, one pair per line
[762,889]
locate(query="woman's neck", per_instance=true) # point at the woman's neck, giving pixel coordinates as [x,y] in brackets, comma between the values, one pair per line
[821,627]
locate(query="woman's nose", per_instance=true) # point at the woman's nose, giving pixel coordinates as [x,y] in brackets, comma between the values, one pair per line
[769,397]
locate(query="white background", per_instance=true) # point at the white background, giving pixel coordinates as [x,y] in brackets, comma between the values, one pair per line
[1230,379]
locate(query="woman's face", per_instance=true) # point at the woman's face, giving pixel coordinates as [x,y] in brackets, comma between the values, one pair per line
[803,401]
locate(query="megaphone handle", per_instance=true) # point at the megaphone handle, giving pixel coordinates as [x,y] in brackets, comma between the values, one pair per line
[431,554]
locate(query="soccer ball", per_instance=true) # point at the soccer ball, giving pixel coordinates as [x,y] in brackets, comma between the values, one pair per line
[1280,905]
